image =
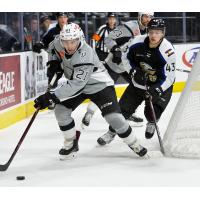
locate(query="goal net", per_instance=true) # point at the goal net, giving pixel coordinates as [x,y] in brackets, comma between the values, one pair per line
[182,137]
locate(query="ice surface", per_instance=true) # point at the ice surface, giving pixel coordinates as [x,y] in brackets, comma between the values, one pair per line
[112,165]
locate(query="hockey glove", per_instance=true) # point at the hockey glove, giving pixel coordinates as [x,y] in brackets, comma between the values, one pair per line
[43,101]
[38,46]
[155,91]
[138,76]
[117,54]
[54,67]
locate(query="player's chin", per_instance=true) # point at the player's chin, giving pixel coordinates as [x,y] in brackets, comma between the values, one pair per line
[71,52]
[154,41]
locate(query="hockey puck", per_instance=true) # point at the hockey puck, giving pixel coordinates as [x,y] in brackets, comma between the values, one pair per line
[20,178]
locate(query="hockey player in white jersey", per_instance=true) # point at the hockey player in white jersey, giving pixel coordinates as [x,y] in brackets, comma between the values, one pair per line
[117,42]
[86,78]
[143,20]
[152,61]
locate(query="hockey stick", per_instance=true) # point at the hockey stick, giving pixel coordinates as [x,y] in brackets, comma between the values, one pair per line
[149,98]
[51,83]
[183,70]
[5,166]
[107,58]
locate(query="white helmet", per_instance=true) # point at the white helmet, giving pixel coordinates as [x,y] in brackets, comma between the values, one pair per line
[70,32]
[151,14]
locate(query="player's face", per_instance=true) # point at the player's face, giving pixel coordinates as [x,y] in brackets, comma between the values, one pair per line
[112,22]
[145,19]
[155,37]
[62,20]
[70,45]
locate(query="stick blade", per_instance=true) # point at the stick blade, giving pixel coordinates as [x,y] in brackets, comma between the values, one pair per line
[3,167]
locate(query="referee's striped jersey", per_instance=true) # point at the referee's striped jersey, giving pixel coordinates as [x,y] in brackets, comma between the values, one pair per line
[98,38]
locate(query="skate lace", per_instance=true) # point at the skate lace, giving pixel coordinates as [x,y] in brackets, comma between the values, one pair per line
[136,146]
[107,137]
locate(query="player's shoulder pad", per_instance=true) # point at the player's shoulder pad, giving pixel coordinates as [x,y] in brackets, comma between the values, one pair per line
[132,24]
[137,39]
[167,49]
[55,44]
[50,31]
[83,55]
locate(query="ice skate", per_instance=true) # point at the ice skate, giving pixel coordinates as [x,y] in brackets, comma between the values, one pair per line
[150,129]
[106,138]
[86,120]
[67,152]
[135,121]
[138,149]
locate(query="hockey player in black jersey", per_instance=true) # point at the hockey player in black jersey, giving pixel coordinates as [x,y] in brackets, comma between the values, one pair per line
[86,77]
[152,63]
[62,19]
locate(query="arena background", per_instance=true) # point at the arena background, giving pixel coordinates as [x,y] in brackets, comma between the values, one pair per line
[23,72]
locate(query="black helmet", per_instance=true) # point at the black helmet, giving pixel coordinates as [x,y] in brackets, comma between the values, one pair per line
[59,14]
[156,24]
[111,14]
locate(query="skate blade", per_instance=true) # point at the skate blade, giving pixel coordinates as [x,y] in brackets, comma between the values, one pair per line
[71,156]
[153,154]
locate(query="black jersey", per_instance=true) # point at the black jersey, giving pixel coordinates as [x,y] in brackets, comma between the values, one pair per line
[159,62]
[50,35]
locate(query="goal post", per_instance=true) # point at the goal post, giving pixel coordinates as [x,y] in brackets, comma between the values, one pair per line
[182,137]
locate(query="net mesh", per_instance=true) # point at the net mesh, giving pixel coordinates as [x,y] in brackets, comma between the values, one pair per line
[182,138]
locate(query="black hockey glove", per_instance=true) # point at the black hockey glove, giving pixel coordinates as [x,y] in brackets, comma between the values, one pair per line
[155,91]
[117,54]
[38,46]
[138,76]
[43,101]
[54,67]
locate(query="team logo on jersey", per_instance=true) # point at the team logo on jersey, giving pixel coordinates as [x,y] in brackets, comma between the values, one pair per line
[189,56]
[169,52]
[83,55]
[139,55]
[148,55]
[117,32]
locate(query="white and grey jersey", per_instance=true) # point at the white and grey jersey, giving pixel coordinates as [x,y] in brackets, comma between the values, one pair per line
[121,36]
[83,71]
